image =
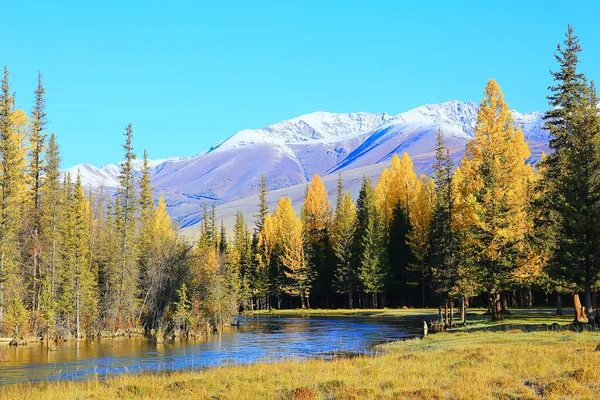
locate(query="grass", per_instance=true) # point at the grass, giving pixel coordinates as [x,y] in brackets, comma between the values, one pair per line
[476,317]
[482,365]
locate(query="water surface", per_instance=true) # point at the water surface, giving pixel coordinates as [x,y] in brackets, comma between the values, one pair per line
[257,339]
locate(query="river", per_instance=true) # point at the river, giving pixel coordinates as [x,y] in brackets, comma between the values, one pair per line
[256,339]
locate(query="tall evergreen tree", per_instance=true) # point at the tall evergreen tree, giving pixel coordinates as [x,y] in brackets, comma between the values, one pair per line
[369,243]
[344,225]
[572,170]
[12,190]
[37,145]
[126,207]
[443,240]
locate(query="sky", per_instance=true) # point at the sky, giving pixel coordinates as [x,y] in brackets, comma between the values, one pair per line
[188,74]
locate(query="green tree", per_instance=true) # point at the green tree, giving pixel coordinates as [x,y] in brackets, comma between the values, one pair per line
[344,226]
[126,207]
[369,242]
[572,170]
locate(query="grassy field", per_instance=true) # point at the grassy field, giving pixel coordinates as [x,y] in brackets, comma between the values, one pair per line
[476,317]
[483,365]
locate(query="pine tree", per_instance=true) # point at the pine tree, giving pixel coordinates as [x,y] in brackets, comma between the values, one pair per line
[265,247]
[146,240]
[443,239]
[84,281]
[222,238]
[12,179]
[369,242]
[572,170]
[495,185]
[263,208]
[37,144]
[126,206]
[344,226]
[51,211]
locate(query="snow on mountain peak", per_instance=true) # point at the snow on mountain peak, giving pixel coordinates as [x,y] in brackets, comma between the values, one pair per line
[313,127]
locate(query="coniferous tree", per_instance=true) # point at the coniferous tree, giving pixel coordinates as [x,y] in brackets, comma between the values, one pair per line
[316,222]
[369,243]
[37,146]
[443,257]
[49,221]
[420,223]
[495,184]
[126,207]
[12,190]
[572,170]
[344,225]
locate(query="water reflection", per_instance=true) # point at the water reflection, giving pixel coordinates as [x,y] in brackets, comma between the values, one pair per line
[257,339]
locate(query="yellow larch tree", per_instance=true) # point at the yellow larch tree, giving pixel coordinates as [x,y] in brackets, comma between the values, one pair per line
[317,223]
[298,272]
[420,226]
[494,190]
[396,186]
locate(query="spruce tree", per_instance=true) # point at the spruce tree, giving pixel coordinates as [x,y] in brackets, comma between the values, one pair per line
[572,170]
[126,206]
[12,191]
[37,141]
[344,226]
[443,239]
[369,243]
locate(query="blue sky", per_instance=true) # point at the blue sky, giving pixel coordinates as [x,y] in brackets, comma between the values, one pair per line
[188,74]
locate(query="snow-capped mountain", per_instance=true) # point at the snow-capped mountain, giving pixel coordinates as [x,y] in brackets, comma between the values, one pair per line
[108,175]
[290,152]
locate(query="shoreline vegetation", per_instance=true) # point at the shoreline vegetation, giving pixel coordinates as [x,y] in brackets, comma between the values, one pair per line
[494,232]
[472,365]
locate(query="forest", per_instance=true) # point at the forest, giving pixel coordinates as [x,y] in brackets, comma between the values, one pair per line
[493,230]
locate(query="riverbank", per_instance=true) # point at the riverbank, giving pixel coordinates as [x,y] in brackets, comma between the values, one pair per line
[460,365]
[477,318]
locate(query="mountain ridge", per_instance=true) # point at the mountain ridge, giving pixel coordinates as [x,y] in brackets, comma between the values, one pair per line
[290,152]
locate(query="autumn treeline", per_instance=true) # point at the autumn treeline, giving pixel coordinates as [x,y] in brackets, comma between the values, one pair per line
[491,228]
[78,262]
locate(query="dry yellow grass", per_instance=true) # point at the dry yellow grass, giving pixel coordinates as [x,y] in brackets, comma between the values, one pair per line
[511,365]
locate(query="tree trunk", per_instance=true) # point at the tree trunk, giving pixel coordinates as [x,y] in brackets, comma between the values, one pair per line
[529,297]
[504,302]
[463,311]
[589,310]
[350,300]
[446,313]
[451,313]
[494,306]
[559,310]
[579,310]
[308,302]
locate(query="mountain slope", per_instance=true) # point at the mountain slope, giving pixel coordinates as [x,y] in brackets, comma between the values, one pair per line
[290,152]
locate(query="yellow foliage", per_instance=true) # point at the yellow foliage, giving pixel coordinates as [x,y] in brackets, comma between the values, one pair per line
[396,185]
[421,214]
[493,180]
[316,211]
